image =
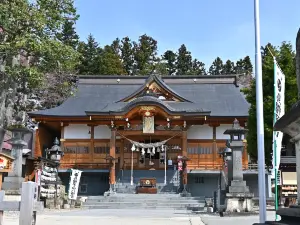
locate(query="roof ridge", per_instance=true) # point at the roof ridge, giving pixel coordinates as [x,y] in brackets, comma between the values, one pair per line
[157,75]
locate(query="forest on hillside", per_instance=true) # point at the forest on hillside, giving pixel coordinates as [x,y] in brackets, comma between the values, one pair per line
[127,57]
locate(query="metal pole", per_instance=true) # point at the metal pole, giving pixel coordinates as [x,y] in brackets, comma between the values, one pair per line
[131,181]
[260,118]
[165,166]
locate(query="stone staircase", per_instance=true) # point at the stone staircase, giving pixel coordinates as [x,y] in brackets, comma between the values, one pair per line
[145,201]
[124,177]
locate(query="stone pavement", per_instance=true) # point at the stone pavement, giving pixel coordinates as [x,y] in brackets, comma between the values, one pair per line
[133,217]
[234,220]
[112,217]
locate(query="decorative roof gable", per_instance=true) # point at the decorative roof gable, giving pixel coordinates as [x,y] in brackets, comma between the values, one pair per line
[156,87]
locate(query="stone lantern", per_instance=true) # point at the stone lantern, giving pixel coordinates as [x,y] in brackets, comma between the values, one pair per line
[238,196]
[55,153]
[12,183]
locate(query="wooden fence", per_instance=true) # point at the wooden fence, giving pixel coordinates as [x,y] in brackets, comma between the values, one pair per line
[28,206]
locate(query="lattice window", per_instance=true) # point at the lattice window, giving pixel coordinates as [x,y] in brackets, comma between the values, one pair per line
[199,180]
[192,149]
[71,149]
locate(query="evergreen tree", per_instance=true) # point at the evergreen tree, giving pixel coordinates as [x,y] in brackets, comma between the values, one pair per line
[89,56]
[145,52]
[127,57]
[116,46]
[198,68]
[244,66]
[161,67]
[109,63]
[228,67]
[286,60]
[68,35]
[170,58]
[217,67]
[184,61]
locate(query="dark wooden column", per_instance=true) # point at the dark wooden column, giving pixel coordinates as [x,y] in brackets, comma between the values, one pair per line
[184,154]
[112,154]
[122,154]
[92,130]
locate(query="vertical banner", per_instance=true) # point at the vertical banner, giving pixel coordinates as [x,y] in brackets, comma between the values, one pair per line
[74,184]
[279,92]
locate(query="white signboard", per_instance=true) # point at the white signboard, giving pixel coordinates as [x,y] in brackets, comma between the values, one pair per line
[148,125]
[279,85]
[74,184]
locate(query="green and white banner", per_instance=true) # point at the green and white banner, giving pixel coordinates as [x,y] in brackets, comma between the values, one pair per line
[279,92]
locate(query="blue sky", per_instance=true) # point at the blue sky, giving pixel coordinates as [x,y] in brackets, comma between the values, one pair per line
[209,28]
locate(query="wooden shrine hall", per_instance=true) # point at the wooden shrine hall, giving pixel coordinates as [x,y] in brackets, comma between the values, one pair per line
[121,129]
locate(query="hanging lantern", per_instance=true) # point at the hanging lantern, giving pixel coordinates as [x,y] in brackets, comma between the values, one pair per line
[148,151]
[162,148]
[133,148]
[143,151]
[158,150]
[137,149]
[153,150]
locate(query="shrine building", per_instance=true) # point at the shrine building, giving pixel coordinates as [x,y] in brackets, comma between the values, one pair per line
[120,129]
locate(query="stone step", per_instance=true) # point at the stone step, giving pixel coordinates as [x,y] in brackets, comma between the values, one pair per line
[125,205]
[181,201]
[146,196]
[200,209]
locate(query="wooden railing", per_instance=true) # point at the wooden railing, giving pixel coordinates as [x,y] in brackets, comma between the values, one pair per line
[206,156]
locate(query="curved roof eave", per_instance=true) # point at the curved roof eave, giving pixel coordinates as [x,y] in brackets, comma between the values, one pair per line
[150,101]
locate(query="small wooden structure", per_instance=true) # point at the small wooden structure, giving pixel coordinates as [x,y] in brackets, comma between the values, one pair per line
[147,186]
[5,165]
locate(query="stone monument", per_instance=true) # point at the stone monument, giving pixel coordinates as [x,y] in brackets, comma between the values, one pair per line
[12,183]
[238,197]
[289,123]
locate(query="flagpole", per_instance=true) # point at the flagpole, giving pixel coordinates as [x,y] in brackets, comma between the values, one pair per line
[260,117]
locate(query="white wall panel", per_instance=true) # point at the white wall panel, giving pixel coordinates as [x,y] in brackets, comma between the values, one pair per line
[77,131]
[200,132]
[102,132]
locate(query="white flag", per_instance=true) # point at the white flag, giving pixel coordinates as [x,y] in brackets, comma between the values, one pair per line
[279,92]
[74,184]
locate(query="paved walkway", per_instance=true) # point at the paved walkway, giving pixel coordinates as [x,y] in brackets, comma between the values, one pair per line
[112,217]
[234,220]
[133,217]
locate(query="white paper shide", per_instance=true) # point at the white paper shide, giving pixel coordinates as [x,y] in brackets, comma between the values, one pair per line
[74,184]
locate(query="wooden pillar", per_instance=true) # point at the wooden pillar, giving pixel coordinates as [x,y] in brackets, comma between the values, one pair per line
[214,146]
[62,133]
[122,154]
[184,154]
[112,154]
[92,131]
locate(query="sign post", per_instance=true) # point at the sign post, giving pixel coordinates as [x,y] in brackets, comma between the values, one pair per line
[5,165]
